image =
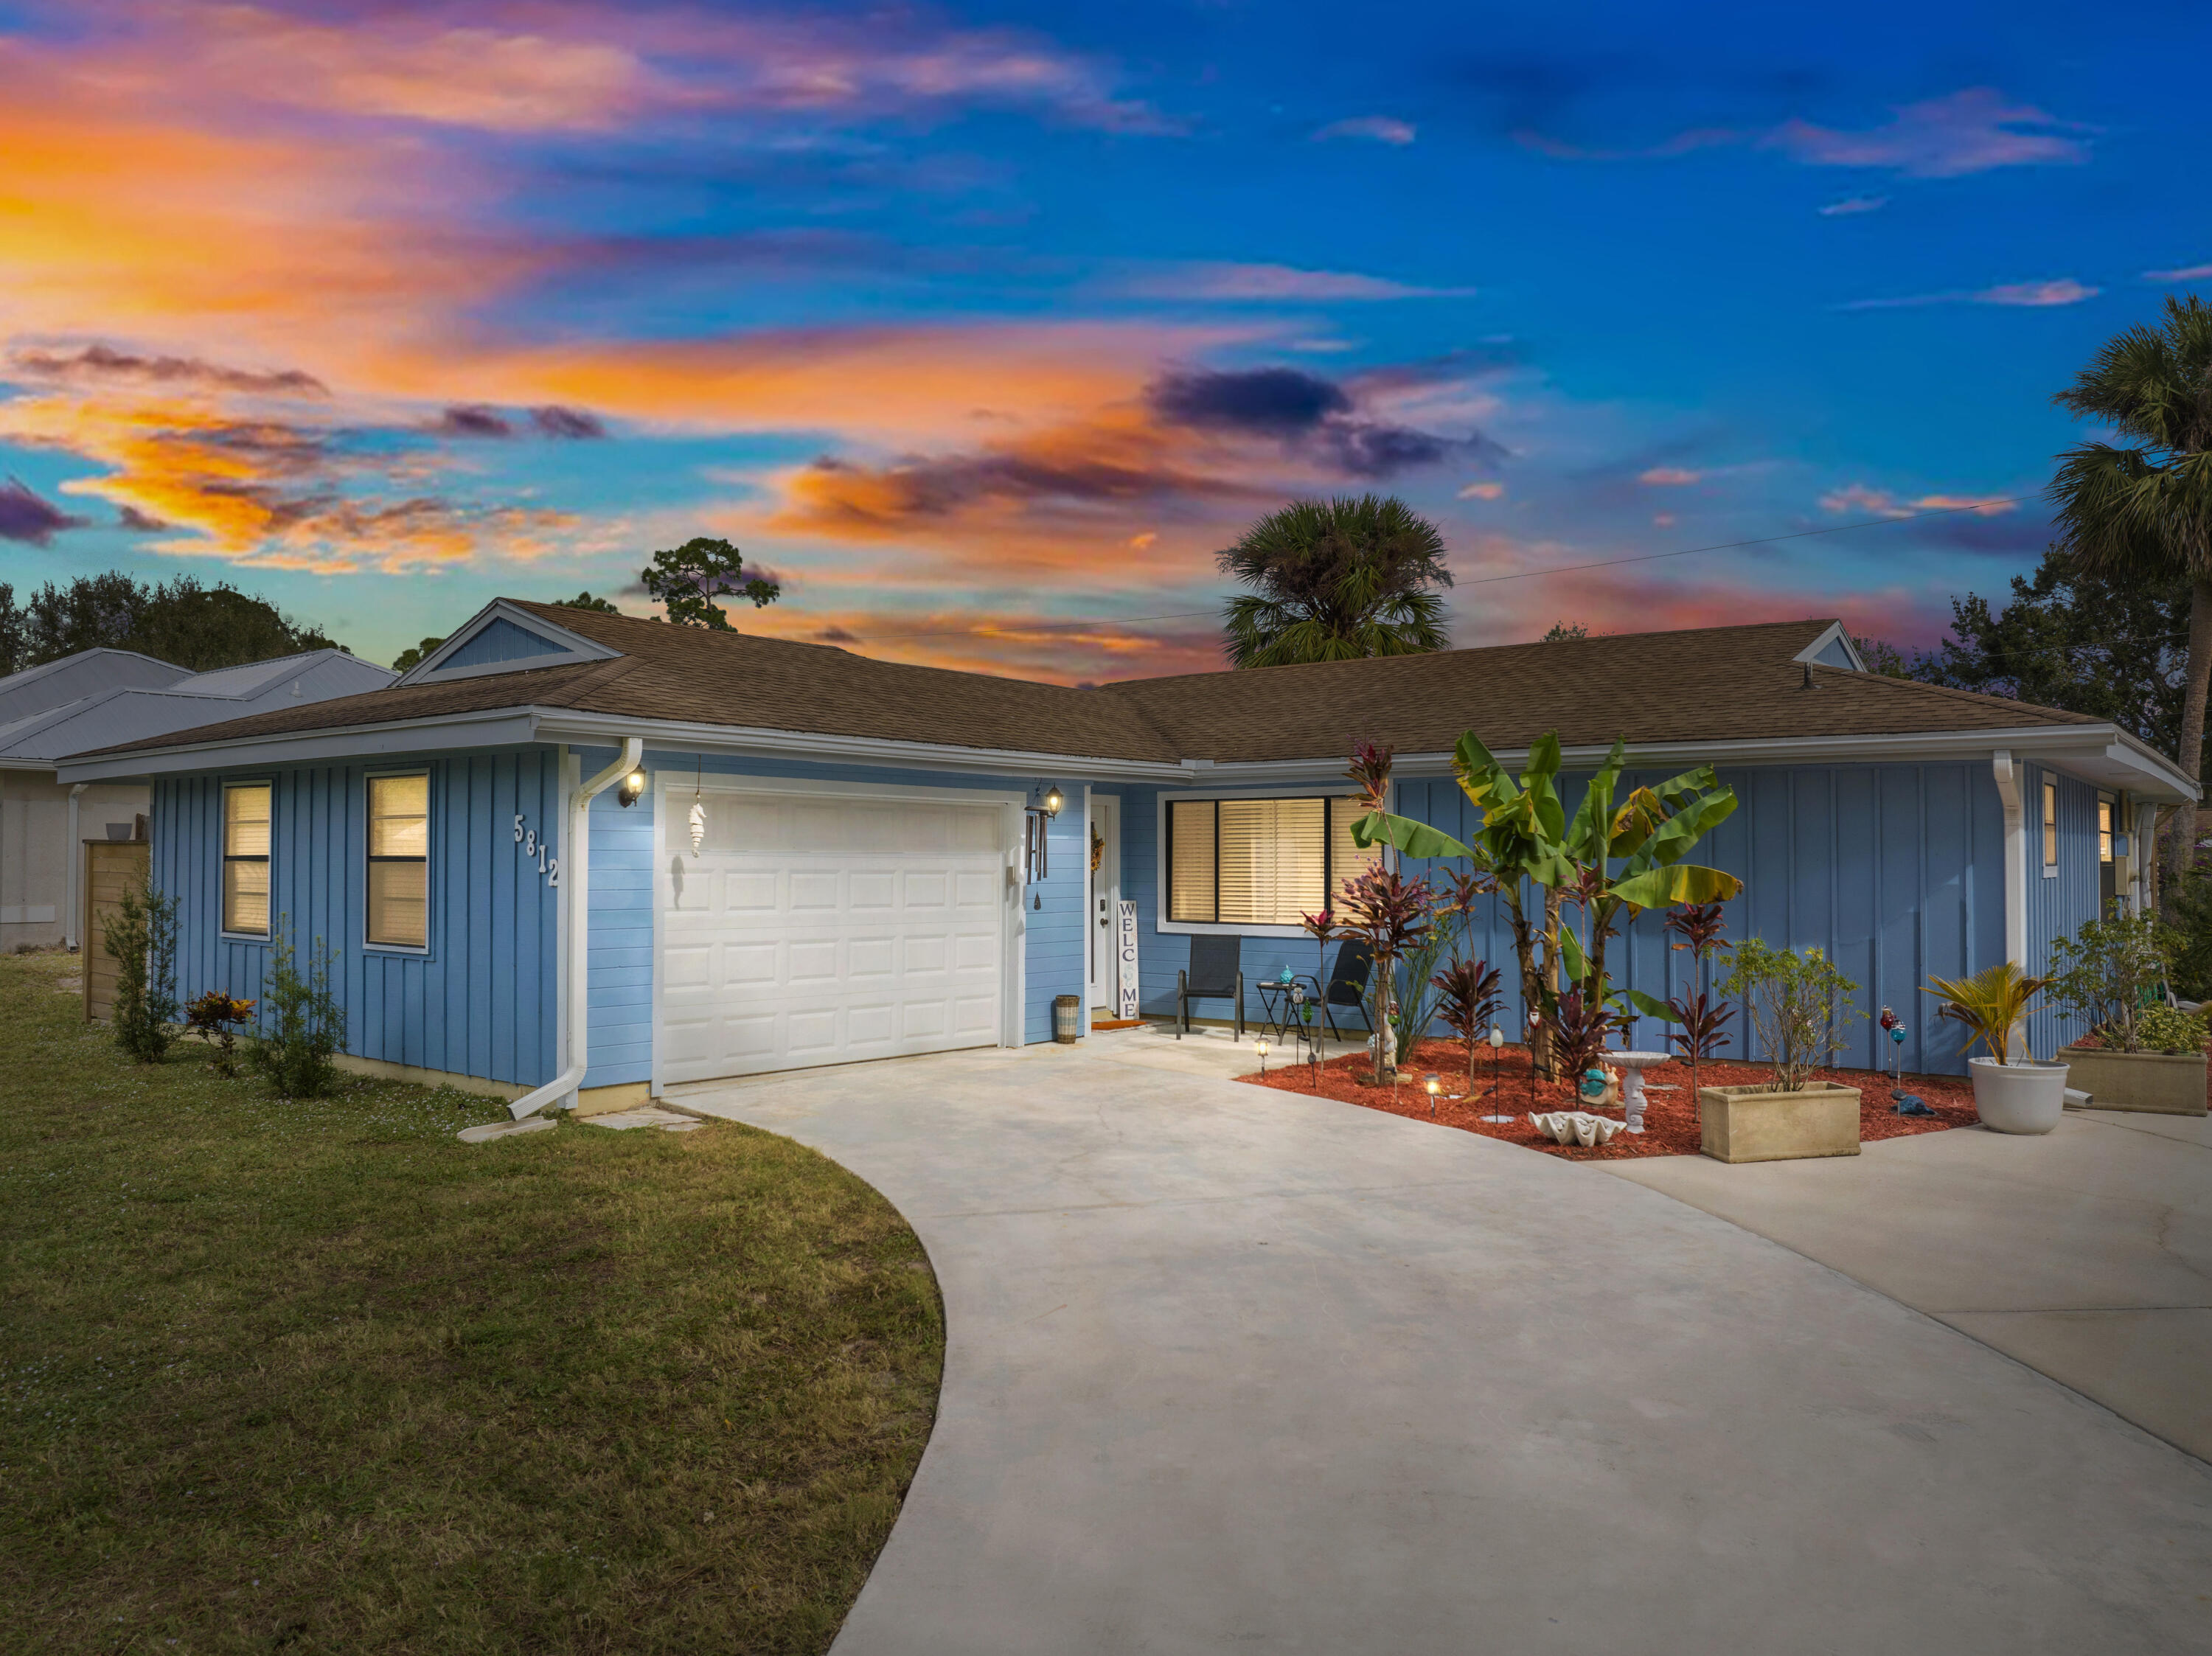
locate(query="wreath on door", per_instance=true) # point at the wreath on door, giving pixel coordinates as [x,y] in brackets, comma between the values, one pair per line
[1098,849]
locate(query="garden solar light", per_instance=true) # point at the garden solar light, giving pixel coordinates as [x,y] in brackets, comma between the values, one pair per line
[1435,1086]
[1262,1044]
[633,788]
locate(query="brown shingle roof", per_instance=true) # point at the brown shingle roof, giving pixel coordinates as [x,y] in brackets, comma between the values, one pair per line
[1715,684]
[1702,684]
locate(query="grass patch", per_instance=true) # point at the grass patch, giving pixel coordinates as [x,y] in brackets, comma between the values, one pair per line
[317,1377]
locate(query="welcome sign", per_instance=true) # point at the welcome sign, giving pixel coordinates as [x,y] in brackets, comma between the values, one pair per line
[1125,963]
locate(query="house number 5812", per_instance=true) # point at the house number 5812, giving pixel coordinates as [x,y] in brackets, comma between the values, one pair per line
[526,838]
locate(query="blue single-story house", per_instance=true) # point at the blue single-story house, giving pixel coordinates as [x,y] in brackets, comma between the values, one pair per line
[576,856]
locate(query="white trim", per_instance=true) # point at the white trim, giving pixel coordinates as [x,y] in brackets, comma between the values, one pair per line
[657,795]
[2008,778]
[683,736]
[222,932]
[1835,634]
[567,648]
[69,939]
[502,727]
[729,783]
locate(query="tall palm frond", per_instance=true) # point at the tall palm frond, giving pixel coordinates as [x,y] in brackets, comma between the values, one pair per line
[1336,581]
[2146,509]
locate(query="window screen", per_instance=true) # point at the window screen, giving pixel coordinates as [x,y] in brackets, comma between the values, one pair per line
[1259,862]
[400,861]
[2050,825]
[245,858]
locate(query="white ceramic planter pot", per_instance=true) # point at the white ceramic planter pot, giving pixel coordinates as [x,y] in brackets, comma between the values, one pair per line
[2021,1098]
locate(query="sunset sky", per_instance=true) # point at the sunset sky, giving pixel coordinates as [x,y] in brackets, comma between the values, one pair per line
[982,329]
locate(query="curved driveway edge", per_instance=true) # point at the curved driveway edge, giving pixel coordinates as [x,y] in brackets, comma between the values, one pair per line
[1229,1368]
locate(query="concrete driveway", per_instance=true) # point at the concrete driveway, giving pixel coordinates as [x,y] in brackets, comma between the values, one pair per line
[2087,1254]
[1229,1368]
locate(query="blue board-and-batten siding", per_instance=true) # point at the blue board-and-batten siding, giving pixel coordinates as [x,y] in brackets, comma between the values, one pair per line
[1897,870]
[502,641]
[2062,899]
[481,1000]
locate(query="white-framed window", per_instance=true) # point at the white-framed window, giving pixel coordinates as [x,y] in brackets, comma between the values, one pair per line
[2050,825]
[2104,807]
[245,817]
[399,905]
[1239,863]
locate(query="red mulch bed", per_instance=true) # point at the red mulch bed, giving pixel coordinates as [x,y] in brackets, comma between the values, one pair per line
[1670,1118]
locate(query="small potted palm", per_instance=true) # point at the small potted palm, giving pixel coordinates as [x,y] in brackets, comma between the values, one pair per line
[2023,1097]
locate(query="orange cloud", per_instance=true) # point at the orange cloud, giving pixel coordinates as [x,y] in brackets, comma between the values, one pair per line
[1857,497]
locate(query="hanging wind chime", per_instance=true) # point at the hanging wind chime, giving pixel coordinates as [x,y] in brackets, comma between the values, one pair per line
[699,806]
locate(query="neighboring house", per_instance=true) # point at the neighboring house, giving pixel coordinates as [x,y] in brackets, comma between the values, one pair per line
[861,888]
[95,699]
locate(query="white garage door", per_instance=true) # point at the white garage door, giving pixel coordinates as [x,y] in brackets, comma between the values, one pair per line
[825,929]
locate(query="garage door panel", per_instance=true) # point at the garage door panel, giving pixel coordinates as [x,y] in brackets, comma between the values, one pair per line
[814,931]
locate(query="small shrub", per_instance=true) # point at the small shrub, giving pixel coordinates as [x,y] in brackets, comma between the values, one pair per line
[141,936]
[293,1052]
[215,1017]
[2167,1029]
[2105,972]
[1799,1005]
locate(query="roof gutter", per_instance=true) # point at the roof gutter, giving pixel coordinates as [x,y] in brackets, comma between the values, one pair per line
[576,874]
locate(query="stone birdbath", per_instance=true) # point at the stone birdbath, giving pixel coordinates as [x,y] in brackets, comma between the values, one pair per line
[1631,1066]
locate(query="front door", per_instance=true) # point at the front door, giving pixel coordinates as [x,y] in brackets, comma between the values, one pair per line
[1105,900]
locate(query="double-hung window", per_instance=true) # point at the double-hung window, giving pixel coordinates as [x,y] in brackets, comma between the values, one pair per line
[245,859]
[2050,825]
[1260,862]
[400,861]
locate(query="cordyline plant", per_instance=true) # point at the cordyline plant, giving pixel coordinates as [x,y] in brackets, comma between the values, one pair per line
[1700,1022]
[1613,861]
[1583,1028]
[1467,1000]
[1395,916]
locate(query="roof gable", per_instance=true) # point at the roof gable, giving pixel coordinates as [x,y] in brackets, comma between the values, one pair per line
[505,638]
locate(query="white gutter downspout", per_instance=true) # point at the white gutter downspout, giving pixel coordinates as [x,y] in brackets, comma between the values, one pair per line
[76,870]
[2015,858]
[575,873]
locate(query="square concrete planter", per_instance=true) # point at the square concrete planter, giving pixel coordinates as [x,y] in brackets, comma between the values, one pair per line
[2161,1083]
[1757,1124]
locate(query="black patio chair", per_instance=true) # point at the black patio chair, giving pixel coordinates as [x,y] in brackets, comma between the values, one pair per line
[1347,984]
[1213,974]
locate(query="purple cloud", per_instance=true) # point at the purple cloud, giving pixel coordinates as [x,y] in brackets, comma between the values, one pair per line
[472,420]
[101,362]
[25,517]
[1968,131]
[553,421]
[1376,129]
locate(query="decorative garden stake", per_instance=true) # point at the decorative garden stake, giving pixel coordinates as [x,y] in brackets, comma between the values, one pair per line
[1497,1116]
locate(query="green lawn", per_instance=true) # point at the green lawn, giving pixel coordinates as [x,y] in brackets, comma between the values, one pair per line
[315,1376]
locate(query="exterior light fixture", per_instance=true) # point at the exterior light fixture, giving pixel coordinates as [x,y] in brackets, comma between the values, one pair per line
[632,788]
[1053,799]
[1435,1084]
[1262,1044]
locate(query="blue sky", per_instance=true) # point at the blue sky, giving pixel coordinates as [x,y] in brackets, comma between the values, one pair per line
[984,328]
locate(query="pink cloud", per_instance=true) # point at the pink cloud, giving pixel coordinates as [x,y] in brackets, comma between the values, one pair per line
[2064,290]
[1483,492]
[1968,131]
[1668,477]
[2187,273]
[1853,204]
[1882,503]
[1376,129]
[1277,282]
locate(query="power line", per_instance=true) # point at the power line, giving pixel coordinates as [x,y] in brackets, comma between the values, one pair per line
[1482,580]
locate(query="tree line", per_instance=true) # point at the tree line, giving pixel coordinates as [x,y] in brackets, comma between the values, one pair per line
[180,621]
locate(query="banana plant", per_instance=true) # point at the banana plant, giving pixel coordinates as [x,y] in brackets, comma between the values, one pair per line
[1608,860]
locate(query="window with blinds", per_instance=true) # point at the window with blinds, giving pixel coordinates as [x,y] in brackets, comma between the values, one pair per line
[1259,862]
[398,861]
[245,859]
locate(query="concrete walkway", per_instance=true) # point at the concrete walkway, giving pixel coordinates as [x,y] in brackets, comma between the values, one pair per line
[1231,1369]
[2087,1254]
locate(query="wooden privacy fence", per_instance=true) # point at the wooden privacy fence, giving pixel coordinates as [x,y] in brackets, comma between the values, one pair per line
[110,866]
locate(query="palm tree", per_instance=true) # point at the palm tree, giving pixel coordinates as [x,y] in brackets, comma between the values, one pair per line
[1335,581]
[2147,509]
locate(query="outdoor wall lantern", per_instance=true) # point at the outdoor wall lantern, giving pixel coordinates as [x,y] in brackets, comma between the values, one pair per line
[632,788]
[1052,800]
